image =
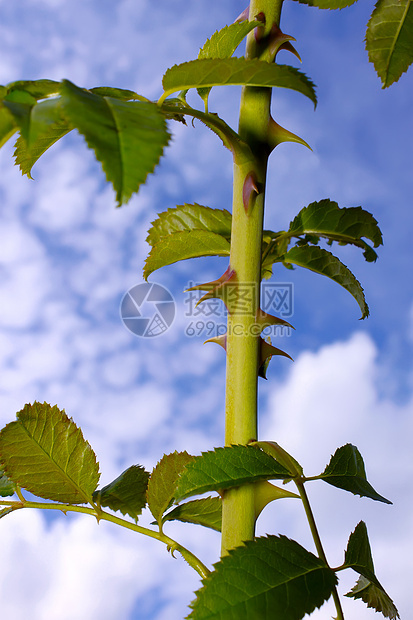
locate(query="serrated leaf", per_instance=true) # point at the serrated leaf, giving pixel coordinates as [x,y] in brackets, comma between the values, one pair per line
[344,225]
[190,217]
[184,245]
[206,511]
[328,4]
[235,71]
[358,553]
[374,597]
[45,452]
[227,467]
[7,486]
[162,483]
[225,41]
[346,471]
[271,577]
[126,493]
[389,39]
[45,126]
[323,262]
[128,137]
[223,44]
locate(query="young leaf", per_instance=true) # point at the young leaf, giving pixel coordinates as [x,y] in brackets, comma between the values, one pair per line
[190,217]
[206,511]
[227,467]
[128,137]
[346,471]
[270,577]
[45,126]
[7,486]
[162,483]
[127,493]
[45,452]
[323,262]
[235,71]
[374,597]
[345,225]
[183,245]
[389,39]
[223,44]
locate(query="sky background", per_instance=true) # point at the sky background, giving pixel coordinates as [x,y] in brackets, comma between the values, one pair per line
[68,256]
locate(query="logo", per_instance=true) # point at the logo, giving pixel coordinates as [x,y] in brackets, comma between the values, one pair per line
[147,310]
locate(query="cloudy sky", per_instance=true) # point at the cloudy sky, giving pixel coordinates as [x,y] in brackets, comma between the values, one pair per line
[68,256]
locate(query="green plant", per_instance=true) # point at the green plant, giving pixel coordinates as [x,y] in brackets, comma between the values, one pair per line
[44,452]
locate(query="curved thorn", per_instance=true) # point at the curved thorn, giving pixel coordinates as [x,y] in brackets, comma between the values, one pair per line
[278,134]
[266,320]
[249,188]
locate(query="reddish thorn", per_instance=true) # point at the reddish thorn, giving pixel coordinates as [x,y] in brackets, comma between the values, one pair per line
[243,16]
[250,186]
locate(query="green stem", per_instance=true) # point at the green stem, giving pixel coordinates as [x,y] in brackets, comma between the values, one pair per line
[238,514]
[317,540]
[172,544]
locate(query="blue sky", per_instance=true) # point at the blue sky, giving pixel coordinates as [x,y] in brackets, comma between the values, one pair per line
[67,257]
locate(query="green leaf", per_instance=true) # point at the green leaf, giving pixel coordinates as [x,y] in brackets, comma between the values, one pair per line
[127,493]
[45,452]
[345,225]
[206,511]
[235,71]
[116,93]
[45,126]
[346,471]
[190,217]
[39,89]
[358,553]
[162,483]
[374,597]
[7,125]
[128,137]
[183,245]
[328,4]
[389,39]
[223,44]
[227,467]
[271,577]
[7,486]
[323,262]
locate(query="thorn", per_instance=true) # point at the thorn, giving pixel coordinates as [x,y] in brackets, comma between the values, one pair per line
[290,48]
[278,134]
[250,186]
[267,351]
[266,320]
[218,288]
[221,340]
[242,17]
[277,40]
